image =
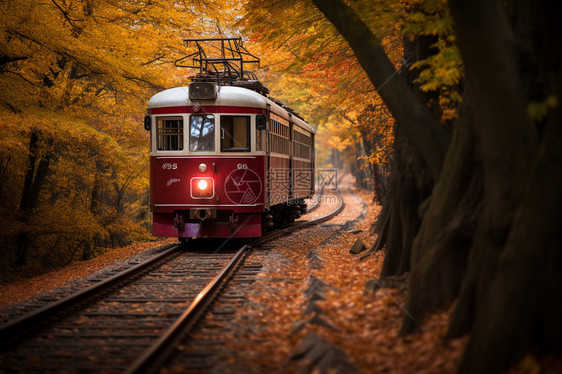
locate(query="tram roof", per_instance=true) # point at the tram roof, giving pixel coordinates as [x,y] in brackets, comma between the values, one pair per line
[226,96]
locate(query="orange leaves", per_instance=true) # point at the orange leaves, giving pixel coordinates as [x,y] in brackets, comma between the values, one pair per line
[312,68]
[78,74]
[366,326]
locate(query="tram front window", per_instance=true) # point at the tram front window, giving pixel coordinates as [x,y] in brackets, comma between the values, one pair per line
[169,134]
[235,133]
[202,133]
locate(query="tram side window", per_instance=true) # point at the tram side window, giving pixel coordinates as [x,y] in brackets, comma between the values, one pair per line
[235,134]
[301,145]
[169,134]
[202,133]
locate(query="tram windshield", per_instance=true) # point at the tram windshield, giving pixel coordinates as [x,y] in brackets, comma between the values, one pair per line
[235,133]
[202,133]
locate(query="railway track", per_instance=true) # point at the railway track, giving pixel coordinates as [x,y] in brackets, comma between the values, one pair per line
[132,321]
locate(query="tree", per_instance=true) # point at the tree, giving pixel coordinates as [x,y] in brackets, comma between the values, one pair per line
[311,68]
[490,233]
[76,77]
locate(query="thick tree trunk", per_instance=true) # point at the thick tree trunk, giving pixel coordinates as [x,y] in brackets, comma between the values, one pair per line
[410,187]
[521,311]
[440,250]
[506,137]
[507,297]
[517,311]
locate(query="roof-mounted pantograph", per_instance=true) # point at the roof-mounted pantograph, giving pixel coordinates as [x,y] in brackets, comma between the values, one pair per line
[222,60]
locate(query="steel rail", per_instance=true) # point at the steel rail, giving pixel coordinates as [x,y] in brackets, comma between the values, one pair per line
[320,191]
[153,358]
[157,354]
[302,225]
[317,202]
[12,328]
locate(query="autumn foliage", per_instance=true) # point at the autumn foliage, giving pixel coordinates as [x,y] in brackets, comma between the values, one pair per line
[309,65]
[473,213]
[75,79]
[460,99]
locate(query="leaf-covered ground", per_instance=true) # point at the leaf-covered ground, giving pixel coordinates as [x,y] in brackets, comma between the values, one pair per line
[23,288]
[279,316]
[275,322]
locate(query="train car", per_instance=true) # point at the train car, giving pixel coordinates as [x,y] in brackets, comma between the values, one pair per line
[225,161]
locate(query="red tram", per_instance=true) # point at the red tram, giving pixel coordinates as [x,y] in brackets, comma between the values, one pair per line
[225,161]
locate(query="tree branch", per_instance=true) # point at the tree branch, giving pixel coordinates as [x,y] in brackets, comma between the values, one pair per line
[65,14]
[4,59]
[421,127]
[153,60]
[24,78]
[155,86]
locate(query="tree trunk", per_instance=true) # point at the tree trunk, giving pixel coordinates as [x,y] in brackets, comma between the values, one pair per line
[410,187]
[35,175]
[421,127]
[411,182]
[521,311]
[380,184]
[506,137]
[512,299]
[440,250]
[88,250]
[26,201]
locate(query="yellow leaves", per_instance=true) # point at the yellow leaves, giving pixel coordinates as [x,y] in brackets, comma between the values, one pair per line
[96,45]
[419,23]
[78,74]
[538,111]
[440,70]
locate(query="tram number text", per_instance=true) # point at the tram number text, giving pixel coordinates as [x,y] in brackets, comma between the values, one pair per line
[168,166]
[242,166]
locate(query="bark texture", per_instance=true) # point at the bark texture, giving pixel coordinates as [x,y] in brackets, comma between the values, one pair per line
[410,187]
[440,249]
[490,233]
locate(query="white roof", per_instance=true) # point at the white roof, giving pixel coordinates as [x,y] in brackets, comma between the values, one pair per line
[226,96]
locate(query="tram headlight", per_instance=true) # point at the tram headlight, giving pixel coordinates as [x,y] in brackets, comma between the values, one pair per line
[202,188]
[202,185]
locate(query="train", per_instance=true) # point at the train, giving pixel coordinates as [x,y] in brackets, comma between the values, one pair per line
[226,161]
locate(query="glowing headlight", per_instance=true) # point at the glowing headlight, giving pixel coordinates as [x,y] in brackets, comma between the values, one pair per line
[202,184]
[202,188]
